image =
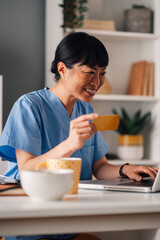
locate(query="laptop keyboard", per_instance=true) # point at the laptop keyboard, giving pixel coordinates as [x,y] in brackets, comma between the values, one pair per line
[143,183]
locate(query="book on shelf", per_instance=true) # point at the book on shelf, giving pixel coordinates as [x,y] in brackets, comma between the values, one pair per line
[145,79]
[150,86]
[108,25]
[11,190]
[141,79]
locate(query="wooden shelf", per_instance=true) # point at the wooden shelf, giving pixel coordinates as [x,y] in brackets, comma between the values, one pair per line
[117,97]
[135,162]
[120,35]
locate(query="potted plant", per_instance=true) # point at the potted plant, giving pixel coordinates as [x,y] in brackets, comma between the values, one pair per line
[73,13]
[130,141]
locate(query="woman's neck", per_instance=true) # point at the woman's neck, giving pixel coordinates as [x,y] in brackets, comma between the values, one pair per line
[67,100]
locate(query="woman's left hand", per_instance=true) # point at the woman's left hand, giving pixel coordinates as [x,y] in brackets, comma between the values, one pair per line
[136,172]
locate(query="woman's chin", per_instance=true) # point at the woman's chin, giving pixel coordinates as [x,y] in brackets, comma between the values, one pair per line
[86,98]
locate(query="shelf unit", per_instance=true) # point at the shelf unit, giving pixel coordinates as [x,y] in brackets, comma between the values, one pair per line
[118,97]
[124,48]
[120,35]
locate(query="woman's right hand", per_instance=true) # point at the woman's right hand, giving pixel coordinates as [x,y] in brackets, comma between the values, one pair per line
[81,129]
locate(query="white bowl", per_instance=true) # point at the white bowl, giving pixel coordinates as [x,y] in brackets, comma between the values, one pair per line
[47,185]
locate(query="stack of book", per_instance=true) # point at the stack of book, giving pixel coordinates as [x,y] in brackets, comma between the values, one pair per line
[141,79]
[108,25]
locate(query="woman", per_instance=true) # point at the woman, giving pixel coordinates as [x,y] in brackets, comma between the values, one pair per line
[57,122]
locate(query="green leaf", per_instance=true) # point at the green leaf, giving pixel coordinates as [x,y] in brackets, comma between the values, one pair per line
[114,111]
[125,117]
[61,5]
[135,119]
[125,114]
[80,18]
[144,120]
[137,115]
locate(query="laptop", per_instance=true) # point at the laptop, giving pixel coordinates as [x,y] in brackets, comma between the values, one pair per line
[147,184]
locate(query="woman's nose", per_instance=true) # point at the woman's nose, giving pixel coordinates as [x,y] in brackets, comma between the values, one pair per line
[95,81]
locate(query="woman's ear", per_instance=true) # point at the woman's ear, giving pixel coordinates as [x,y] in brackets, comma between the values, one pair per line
[61,69]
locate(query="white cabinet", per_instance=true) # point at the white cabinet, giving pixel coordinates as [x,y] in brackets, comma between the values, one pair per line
[125,48]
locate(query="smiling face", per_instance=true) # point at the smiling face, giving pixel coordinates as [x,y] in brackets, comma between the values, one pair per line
[81,82]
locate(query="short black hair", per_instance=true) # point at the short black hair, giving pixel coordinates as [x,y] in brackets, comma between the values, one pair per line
[81,48]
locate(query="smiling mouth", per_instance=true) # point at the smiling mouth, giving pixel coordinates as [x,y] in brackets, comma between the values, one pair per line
[90,91]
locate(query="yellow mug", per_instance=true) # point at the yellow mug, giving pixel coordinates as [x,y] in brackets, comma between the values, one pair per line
[67,163]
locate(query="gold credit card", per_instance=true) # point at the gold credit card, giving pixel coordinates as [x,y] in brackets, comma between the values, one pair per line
[107,122]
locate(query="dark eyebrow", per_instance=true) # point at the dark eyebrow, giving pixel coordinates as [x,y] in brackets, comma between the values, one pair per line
[96,68]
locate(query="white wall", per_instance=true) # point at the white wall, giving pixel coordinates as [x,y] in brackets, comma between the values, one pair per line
[2,163]
[21,51]
[53,35]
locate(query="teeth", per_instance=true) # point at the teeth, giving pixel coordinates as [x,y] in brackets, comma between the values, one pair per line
[91,91]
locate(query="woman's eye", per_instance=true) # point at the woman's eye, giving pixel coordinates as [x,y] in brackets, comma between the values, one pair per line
[103,73]
[92,73]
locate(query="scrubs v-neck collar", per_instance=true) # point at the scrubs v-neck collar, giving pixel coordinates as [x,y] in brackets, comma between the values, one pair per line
[58,106]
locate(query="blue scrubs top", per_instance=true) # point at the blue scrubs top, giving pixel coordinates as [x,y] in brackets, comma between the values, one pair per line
[37,123]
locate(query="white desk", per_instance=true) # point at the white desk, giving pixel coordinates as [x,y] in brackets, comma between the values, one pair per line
[93,211]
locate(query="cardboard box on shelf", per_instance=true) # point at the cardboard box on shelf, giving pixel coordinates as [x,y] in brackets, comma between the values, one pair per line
[108,25]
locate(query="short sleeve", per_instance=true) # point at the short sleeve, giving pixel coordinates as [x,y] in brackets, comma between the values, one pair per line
[22,130]
[101,147]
